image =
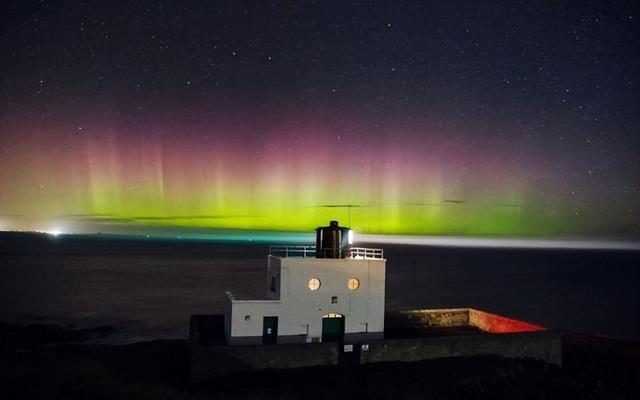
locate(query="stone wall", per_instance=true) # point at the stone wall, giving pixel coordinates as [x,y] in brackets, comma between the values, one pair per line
[546,346]
[216,360]
[448,317]
[493,323]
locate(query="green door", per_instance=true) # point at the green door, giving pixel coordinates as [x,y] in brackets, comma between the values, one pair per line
[270,330]
[333,328]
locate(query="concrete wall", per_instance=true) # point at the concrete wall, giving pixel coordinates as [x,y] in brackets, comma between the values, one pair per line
[300,310]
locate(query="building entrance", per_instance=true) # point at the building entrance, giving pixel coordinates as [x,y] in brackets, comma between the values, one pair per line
[333,327]
[270,330]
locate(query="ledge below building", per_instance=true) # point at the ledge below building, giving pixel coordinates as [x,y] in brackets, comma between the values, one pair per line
[409,336]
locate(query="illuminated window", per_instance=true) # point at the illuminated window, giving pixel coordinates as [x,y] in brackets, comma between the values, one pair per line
[353,284]
[314,283]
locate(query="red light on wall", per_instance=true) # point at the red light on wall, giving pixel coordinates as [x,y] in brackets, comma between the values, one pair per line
[497,324]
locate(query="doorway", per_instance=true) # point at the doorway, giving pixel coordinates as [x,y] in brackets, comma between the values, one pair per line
[270,330]
[333,327]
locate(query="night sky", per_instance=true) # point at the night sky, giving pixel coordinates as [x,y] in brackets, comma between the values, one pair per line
[473,118]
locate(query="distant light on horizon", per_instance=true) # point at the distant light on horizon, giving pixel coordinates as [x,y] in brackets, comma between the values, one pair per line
[52,232]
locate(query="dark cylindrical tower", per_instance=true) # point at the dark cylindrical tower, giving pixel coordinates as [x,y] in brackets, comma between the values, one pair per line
[332,241]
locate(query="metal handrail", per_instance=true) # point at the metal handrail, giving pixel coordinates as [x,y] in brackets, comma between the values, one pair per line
[292,251]
[310,252]
[366,253]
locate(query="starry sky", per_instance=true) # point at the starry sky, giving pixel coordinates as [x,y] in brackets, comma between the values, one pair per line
[508,118]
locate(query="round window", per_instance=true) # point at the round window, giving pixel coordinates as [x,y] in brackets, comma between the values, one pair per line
[353,283]
[314,283]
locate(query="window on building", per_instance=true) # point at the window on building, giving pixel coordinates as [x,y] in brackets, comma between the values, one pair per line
[273,284]
[334,299]
[314,284]
[353,283]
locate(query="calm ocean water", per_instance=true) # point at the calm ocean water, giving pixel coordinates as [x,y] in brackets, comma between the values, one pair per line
[147,289]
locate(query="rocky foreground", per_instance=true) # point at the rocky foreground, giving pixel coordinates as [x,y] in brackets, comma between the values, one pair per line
[49,362]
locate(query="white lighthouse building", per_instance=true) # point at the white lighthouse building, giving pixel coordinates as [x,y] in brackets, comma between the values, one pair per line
[333,292]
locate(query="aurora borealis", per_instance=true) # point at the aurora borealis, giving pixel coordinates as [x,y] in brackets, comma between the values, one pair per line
[401,118]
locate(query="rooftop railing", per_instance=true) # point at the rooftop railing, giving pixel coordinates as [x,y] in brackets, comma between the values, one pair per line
[359,253]
[366,253]
[293,251]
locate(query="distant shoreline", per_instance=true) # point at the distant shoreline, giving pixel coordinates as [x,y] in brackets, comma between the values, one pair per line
[274,237]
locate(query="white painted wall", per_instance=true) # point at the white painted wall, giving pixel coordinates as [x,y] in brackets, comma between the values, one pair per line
[300,310]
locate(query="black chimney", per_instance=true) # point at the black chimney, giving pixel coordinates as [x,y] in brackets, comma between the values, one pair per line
[332,241]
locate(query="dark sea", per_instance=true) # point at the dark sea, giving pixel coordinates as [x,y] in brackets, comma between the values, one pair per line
[147,289]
